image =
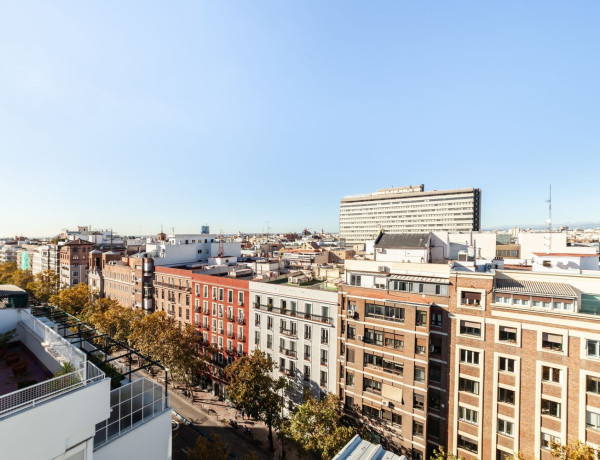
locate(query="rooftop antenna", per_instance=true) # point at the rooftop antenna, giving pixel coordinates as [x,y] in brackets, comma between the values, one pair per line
[549,223]
[221,250]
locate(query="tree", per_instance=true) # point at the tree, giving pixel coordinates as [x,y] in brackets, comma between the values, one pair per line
[441,454]
[214,449]
[575,450]
[73,300]
[7,270]
[252,389]
[22,278]
[317,427]
[44,285]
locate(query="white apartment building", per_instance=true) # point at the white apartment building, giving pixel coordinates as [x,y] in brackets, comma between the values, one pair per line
[296,327]
[8,253]
[190,249]
[408,210]
[74,416]
[45,258]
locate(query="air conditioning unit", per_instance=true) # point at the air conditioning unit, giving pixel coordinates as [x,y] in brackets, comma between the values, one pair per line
[351,313]
[383,268]
[361,338]
[385,403]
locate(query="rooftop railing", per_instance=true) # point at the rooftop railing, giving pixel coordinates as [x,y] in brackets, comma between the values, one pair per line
[40,392]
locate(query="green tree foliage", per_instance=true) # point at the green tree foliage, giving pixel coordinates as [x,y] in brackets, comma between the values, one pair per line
[253,390]
[73,300]
[317,427]
[22,278]
[44,285]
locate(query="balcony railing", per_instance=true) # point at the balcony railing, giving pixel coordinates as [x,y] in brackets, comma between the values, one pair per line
[231,334]
[323,362]
[35,394]
[229,317]
[290,353]
[288,332]
[241,338]
[241,320]
[288,312]
[173,286]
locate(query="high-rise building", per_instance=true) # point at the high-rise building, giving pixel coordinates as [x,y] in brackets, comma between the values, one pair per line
[408,210]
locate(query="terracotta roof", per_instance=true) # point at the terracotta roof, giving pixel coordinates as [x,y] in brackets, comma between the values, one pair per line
[78,241]
[534,287]
[564,254]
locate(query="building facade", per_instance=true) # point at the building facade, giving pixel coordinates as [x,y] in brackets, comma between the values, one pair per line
[394,348]
[128,280]
[525,362]
[74,262]
[296,327]
[408,210]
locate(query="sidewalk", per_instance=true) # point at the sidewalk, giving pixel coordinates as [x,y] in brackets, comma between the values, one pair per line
[213,416]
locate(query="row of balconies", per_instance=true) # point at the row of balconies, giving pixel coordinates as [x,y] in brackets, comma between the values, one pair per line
[292,313]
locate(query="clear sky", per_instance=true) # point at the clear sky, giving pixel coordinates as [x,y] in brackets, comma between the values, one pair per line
[129,114]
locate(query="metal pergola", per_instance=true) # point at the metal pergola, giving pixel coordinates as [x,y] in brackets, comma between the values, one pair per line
[77,332]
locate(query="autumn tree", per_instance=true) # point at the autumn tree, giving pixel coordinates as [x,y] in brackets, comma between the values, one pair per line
[575,450]
[214,449]
[317,427]
[22,279]
[7,271]
[441,454]
[44,285]
[73,300]
[251,388]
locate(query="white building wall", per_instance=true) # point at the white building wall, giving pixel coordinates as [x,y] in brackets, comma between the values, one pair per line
[146,441]
[318,299]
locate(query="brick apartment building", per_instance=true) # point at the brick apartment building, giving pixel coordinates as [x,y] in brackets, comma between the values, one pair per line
[74,262]
[218,306]
[128,280]
[525,362]
[394,352]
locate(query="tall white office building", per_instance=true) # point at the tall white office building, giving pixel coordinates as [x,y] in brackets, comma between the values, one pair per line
[408,210]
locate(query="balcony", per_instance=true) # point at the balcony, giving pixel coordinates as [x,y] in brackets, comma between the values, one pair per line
[241,338]
[287,352]
[230,318]
[289,332]
[173,286]
[231,334]
[241,320]
[323,362]
[287,312]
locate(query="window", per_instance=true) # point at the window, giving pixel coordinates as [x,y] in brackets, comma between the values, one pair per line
[393,367]
[468,415]
[383,312]
[324,336]
[470,328]
[592,420]
[506,396]
[256,319]
[467,444]
[417,429]
[507,334]
[552,342]
[550,374]
[221,294]
[324,357]
[468,385]
[307,352]
[435,345]
[421,319]
[396,342]
[547,440]
[419,374]
[351,334]
[350,355]
[349,379]
[550,408]
[505,427]
[418,401]
[269,322]
[257,338]
[371,412]
[373,360]
[355,280]
[506,364]
[436,319]
[593,384]
[269,341]
[469,356]
[229,296]
[349,402]
[307,332]
[434,399]
[590,304]
[470,298]
[374,337]
[420,346]
[395,419]
[593,348]
[566,306]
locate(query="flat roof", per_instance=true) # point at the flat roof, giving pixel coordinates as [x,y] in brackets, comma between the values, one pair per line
[387,196]
[542,288]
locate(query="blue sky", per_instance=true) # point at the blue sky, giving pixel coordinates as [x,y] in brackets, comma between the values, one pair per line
[128,114]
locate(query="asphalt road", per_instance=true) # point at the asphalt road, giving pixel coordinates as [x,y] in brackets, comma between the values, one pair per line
[185,437]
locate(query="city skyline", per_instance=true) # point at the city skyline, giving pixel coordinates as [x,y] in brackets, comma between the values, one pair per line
[237,114]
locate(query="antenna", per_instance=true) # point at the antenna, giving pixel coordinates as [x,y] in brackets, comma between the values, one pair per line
[548,238]
[221,251]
